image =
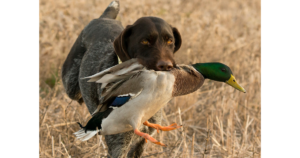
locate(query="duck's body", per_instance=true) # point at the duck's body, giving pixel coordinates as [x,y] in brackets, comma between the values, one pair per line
[155,92]
[132,94]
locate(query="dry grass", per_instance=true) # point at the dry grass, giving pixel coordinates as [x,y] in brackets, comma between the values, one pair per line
[218,120]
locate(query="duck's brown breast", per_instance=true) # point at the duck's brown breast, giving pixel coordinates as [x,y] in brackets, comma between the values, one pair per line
[187,80]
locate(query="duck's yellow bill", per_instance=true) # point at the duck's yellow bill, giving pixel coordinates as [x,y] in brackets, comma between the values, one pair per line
[232,82]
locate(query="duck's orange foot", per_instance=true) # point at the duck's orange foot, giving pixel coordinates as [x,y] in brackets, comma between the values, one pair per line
[148,137]
[163,128]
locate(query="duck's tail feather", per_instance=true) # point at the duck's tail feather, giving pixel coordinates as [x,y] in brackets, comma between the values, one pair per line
[93,126]
[80,125]
[112,10]
[84,135]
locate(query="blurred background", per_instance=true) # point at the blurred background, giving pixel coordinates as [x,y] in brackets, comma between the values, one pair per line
[218,120]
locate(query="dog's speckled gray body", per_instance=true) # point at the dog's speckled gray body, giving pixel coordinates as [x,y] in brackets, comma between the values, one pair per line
[93,52]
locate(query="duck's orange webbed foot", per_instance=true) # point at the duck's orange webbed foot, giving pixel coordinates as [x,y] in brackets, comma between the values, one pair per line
[163,128]
[148,137]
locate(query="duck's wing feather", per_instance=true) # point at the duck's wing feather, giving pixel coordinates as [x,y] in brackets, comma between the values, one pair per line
[122,99]
[119,101]
[118,82]
[118,93]
[120,69]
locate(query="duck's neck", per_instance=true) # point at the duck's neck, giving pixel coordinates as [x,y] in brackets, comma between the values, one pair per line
[187,80]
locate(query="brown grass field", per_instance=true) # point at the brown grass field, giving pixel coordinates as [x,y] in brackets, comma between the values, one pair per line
[218,120]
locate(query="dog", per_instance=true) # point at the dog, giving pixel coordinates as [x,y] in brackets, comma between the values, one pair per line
[98,46]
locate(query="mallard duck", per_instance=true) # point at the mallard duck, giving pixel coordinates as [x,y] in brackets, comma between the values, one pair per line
[132,94]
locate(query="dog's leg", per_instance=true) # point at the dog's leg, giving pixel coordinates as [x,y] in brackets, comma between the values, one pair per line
[70,70]
[92,62]
[118,144]
[88,89]
[138,148]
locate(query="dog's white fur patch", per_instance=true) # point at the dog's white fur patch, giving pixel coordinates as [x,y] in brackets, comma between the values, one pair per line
[114,4]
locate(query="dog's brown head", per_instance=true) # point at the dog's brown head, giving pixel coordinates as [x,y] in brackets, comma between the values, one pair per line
[150,39]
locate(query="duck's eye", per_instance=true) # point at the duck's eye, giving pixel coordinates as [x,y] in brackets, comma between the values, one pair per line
[223,69]
[170,41]
[145,42]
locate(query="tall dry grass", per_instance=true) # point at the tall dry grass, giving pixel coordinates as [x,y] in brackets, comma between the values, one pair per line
[218,120]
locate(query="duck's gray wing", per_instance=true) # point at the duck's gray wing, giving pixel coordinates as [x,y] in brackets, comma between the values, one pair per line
[119,86]
[120,69]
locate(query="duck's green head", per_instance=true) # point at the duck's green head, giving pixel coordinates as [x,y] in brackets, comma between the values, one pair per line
[218,72]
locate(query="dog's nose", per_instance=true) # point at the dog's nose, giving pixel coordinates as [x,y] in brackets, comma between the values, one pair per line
[164,65]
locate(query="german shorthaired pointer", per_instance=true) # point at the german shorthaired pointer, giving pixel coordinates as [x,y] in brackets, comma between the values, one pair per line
[98,47]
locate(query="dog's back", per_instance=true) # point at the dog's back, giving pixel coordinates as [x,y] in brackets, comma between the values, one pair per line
[92,52]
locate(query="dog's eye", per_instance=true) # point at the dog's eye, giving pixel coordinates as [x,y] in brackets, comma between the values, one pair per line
[170,41]
[145,42]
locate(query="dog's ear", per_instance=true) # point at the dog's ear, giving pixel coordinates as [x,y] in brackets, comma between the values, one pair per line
[121,44]
[177,38]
